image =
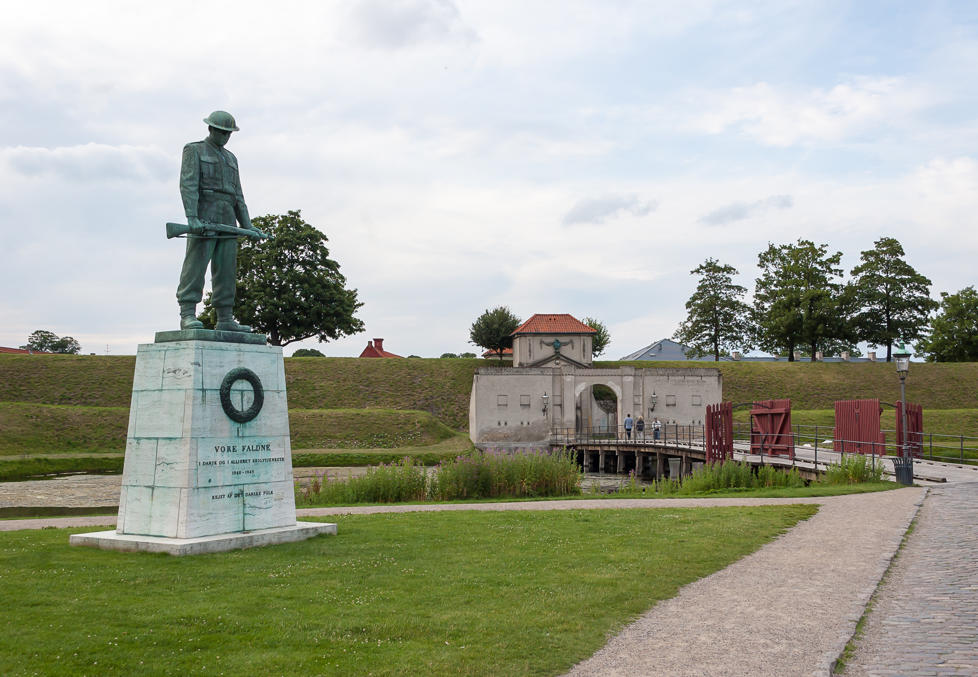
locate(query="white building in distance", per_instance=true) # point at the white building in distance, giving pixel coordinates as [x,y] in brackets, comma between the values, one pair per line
[552,385]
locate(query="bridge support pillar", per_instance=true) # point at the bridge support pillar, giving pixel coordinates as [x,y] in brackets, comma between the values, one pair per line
[660,465]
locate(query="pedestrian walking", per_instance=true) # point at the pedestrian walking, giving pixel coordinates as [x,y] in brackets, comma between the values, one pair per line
[656,427]
[628,427]
[640,429]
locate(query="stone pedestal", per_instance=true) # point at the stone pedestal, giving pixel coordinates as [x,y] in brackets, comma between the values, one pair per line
[208,457]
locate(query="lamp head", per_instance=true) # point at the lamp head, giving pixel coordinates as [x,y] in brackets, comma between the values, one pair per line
[901,357]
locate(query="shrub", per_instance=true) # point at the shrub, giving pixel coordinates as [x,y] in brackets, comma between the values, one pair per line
[492,475]
[479,475]
[729,475]
[394,483]
[853,469]
[308,352]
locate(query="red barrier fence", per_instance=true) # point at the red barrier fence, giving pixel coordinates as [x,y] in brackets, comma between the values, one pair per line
[771,428]
[915,428]
[857,427]
[719,432]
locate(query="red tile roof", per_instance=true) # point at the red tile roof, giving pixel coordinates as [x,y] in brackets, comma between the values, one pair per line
[375,348]
[561,323]
[507,352]
[21,351]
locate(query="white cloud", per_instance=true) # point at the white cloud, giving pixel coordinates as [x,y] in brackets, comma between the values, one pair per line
[600,209]
[90,162]
[786,116]
[394,24]
[737,211]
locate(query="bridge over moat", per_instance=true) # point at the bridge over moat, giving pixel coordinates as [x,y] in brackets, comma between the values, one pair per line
[679,449]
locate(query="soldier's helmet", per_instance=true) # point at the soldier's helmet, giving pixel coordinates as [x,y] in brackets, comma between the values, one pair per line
[221,120]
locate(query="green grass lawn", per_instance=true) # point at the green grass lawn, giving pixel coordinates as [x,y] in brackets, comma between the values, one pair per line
[425,455]
[468,593]
[31,428]
[365,428]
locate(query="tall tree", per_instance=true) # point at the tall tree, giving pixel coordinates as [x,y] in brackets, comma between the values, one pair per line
[289,288]
[799,299]
[892,298]
[954,331]
[44,341]
[492,330]
[717,319]
[601,339]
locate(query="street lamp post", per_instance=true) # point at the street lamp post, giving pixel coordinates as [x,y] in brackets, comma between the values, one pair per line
[902,359]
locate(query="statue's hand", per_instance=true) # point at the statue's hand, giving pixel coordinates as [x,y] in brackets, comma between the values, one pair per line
[196,227]
[252,232]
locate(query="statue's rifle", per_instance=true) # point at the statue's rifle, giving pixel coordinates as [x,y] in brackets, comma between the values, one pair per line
[214,231]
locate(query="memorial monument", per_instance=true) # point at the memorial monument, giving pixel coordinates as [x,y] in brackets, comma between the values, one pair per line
[208,462]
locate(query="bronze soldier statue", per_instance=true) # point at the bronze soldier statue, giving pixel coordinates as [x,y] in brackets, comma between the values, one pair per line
[211,192]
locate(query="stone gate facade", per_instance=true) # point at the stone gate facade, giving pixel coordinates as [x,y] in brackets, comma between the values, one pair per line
[522,406]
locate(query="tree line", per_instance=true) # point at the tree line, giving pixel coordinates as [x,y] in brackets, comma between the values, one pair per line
[802,302]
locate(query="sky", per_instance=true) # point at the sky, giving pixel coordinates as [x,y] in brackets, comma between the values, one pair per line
[554,157]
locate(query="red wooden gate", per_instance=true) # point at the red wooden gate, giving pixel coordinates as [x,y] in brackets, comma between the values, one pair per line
[719,432]
[771,428]
[857,427]
[915,428]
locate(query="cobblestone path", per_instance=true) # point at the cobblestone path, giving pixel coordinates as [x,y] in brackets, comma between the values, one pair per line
[925,620]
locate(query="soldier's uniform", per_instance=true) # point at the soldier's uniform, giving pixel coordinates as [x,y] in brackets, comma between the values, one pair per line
[211,191]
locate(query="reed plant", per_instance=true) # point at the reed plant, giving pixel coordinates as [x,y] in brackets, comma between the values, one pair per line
[477,475]
[488,474]
[726,476]
[854,469]
[403,481]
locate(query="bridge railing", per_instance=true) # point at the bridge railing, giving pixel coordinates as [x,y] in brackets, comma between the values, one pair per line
[816,438]
[666,433]
[931,446]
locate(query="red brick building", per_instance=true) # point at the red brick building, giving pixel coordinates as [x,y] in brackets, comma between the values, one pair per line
[375,348]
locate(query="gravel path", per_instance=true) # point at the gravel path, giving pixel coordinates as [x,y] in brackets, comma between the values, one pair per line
[925,618]
[787,609]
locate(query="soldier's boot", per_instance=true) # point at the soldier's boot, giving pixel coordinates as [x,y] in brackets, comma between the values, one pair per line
[188,317]
[225,321]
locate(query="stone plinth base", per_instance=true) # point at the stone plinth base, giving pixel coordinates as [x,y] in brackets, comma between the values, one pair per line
[112,540]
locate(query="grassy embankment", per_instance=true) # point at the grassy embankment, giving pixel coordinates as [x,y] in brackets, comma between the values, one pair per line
[63,413]
[474,593]
[70,412]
